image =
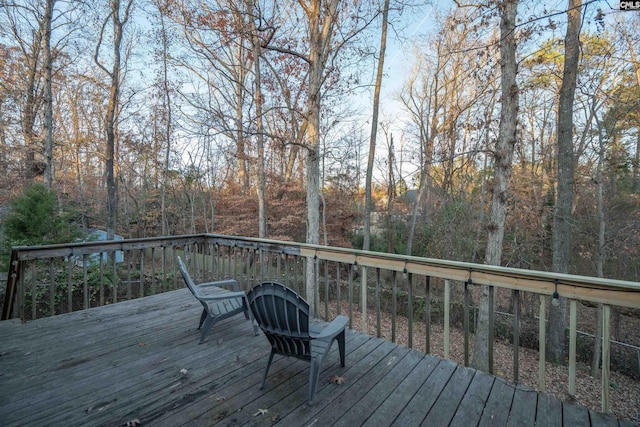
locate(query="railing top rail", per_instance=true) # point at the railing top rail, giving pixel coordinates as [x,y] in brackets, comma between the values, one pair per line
[594,289]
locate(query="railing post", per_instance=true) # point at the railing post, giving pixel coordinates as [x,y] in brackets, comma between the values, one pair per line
[410,303]
[492,315]
[447,313]
[542,343]
[363,299]
[378,314]
[20,295]
[427,314]
[338,290]
[516,335]
[466,323]
[350,292]
[572,346]
[394,304]
[606,355]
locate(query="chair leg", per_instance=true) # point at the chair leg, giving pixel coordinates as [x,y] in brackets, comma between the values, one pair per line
[314,375]
[266,371]
[340,339]
[249,315]
[203,316]
[206,327]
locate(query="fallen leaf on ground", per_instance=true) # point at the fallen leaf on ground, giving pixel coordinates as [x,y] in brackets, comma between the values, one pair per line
[336,379]
[275,418]
[260,412]
[220,399]
[183,371]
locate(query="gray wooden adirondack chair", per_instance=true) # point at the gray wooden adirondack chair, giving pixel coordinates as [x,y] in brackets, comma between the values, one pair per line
[283,316]
[218,302]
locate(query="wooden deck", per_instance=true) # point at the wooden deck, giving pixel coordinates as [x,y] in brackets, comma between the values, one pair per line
[139,362]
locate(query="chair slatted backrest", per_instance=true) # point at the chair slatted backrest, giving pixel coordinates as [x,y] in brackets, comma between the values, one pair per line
[283,316]
[189,281]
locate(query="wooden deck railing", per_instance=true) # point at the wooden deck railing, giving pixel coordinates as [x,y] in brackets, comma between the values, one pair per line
[54,279]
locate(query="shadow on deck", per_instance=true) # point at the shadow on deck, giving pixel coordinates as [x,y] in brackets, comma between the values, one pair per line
[139,362]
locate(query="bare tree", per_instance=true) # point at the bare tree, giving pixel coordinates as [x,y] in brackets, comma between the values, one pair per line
[368,205]
[502,160]
[562,228]
[48,94]
[118,19]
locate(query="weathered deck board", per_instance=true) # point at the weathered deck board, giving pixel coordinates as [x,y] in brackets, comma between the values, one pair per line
[140,360]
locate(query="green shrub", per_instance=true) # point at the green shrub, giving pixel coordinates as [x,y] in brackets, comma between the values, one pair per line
[35,218]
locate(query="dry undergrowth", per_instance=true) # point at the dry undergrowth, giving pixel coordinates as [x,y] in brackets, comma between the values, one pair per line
[624,394]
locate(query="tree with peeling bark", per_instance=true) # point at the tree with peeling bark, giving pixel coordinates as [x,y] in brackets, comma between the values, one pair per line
[562,226]
[502,161]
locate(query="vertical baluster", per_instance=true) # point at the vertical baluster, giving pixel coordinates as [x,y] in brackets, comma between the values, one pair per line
[153,271]
[52,288]
[447,313]
[101,268]
[278,267]
[338,293]
[427,314]
[350,291]
[572,346]
[394,304]
[378,331]
[85,281]
[516,335]
[316,280]
[492,313]
[295,270]
[21,292]
[363,299]
[236,268]
[142,253]
[115,277]
[326,290]
[127,259]
[606,356]
[165,284]
[286,270]
[70,284]
[466,323]
[410,312]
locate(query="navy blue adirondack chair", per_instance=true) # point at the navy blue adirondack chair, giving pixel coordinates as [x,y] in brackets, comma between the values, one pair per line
[218,303]
[283,316]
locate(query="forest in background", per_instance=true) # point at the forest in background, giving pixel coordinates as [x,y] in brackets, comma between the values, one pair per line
[150,117]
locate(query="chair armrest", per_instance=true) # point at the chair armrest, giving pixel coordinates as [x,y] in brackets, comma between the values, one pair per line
[230,282]
[332,329]
[222,296]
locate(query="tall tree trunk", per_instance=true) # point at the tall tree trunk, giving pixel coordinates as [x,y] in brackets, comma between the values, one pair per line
[257,53]
[29,111]
[112,110]
[391,196]
[368,204]
[48,94]
[322,17]
[503,156]
[597,347]
[562,232]
[168,123]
